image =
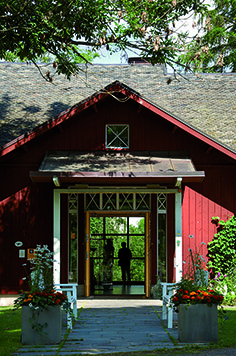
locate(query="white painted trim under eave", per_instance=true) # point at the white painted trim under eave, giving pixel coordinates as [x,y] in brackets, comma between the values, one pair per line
[178,236]
[56,236]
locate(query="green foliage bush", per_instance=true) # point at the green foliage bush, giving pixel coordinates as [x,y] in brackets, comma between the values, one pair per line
[221,250]
[222,261]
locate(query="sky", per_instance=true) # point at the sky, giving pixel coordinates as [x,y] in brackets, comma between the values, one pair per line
[116,58]
[121,56]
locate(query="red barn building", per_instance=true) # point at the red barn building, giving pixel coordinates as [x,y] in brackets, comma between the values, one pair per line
[115,141]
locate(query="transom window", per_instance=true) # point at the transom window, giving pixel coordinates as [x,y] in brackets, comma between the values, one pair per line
[162,202]
[118,201]
[117,136]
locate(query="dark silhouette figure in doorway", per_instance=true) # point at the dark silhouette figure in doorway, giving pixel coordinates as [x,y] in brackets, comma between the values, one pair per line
[125,256]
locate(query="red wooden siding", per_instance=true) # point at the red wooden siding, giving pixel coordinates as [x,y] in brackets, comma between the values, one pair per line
[26,208]
[25,216]
[197,211]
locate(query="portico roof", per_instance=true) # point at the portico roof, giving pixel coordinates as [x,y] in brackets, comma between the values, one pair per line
[120,166]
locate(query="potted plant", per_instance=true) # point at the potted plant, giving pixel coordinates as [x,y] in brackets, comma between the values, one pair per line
[196,300]
[41,305]
[197,311]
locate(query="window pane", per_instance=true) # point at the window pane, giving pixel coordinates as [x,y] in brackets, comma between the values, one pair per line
[137,246]
[73,253]
[117,136]
[162,272]
[136,225]
[109,201]
[92,201]
[116,225]
[96,225]
[142,201]
[125,201]
[137,269]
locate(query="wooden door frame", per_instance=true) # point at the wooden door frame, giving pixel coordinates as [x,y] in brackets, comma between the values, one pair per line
[146,216]
[147,256]
[87,256]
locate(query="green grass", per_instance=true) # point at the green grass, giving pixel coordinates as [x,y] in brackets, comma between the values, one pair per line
[10,324]
[227,331]
[10,330]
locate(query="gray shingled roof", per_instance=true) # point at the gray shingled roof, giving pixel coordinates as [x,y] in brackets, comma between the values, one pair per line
[207,102]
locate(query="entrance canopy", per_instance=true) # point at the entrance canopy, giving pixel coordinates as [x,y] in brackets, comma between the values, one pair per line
[117,167]
[112,170]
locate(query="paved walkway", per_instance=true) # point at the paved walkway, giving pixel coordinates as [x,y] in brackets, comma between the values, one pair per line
[112,325]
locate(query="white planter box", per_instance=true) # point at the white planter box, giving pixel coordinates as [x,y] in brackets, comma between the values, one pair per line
[51,334]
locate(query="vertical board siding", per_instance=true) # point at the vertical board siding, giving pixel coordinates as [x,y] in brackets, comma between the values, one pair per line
[199,221]
[26,216]
[197,213]
[205,217]
[12,210]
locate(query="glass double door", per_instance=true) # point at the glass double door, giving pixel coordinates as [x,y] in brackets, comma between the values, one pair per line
[104,237]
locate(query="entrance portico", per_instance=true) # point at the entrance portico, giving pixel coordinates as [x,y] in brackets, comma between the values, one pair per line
[119,183]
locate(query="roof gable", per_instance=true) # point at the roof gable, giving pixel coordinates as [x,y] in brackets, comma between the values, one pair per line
[206,101]
[120,92]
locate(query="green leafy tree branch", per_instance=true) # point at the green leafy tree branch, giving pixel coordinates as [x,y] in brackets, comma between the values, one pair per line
[31,29]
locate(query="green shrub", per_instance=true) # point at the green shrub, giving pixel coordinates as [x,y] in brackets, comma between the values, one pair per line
[221,250]
[222,261]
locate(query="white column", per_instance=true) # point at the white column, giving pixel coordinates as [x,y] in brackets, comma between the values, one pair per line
[56,236]
[178,236]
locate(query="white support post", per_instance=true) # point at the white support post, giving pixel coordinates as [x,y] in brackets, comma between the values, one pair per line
[56,236]
[178,236]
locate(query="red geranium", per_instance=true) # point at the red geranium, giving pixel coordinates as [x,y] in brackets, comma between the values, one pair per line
[41,299]
[188,293]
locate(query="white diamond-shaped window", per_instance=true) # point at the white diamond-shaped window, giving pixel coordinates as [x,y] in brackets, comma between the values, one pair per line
[117,136]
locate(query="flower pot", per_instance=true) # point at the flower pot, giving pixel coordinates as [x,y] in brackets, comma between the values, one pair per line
[197,323]
[41,326]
